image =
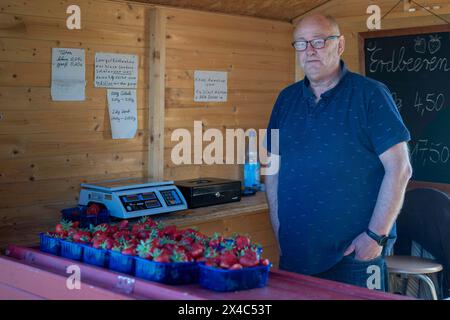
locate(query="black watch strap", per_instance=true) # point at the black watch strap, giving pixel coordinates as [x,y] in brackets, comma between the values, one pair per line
[381,240]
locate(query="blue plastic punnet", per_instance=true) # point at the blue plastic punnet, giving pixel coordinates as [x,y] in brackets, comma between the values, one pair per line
[71,250]
[168,273]
[95,256]
[121,263]
[224,280]
[49,244]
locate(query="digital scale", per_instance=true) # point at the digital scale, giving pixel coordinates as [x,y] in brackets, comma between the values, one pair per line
[131,198]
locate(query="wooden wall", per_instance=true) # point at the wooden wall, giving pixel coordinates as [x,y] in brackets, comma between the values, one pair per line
[259,61]
[351,16]
[48,148]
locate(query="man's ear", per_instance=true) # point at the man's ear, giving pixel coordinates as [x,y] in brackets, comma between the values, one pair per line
[341,45]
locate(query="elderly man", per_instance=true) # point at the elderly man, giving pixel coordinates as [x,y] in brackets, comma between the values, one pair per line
[344,164]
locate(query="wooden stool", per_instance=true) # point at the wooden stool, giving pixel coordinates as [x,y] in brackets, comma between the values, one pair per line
[416,267]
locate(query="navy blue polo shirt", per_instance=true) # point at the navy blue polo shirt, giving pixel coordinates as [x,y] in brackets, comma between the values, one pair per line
[330,171]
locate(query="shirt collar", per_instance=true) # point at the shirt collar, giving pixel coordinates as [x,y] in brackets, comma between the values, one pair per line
[307,92]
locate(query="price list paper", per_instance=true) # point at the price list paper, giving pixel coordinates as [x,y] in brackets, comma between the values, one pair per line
[68,74]
[116,70]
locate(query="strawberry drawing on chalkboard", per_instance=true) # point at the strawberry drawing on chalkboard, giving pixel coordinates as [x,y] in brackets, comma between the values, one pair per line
[420,45]
[434,44]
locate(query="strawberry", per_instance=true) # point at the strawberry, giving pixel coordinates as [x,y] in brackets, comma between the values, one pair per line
[168,231]
[241,242]
[211,262]
[187,240]
[130,251]
[103,228]
[147,222]
[117,247]
[177,235]
[68,235]
[265,262]
[93,209]
[97,243]
[201,259]
[211,253]
[136,228]
[122,235]
[196,250]
[143,234]
[249,259]
[100,234]
[160,255]
[63,227]
[228,259]
[113,229]
[215,240]
[123,224]
[178,256]
[107,244]
[236,266]
[82,236]
[156,242]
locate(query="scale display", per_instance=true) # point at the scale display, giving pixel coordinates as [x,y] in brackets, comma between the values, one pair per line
[134,197]
[141,201]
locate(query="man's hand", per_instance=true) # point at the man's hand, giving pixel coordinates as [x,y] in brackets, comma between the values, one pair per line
[365,248]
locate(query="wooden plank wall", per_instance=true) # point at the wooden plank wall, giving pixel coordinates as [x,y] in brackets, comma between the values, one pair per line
[259,61]
[351,16]
[48,148]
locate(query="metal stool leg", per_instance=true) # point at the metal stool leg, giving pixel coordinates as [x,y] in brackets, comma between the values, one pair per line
[429,282]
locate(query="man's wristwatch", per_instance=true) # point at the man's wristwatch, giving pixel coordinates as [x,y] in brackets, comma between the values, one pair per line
[381,240]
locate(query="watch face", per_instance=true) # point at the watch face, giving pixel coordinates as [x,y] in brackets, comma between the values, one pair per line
[381,240]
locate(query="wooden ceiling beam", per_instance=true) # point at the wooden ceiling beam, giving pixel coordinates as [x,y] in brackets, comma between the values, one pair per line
[281,10]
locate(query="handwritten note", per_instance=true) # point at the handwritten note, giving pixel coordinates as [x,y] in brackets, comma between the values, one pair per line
[210,86]
[423,58]
[68,74]
[116,70]
[122,113]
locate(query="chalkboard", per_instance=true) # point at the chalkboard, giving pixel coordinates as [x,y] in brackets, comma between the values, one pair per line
[415,66]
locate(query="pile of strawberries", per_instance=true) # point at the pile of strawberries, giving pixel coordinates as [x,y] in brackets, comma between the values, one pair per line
[235,253]
[154,241]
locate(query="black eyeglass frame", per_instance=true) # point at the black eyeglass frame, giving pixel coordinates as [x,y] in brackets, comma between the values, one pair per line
[310,42]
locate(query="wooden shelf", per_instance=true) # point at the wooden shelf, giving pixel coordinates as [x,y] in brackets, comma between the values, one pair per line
[248,205]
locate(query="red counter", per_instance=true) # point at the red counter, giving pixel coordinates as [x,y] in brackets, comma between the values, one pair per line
[30,274]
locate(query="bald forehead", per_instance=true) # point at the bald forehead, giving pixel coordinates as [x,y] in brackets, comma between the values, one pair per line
[320,23]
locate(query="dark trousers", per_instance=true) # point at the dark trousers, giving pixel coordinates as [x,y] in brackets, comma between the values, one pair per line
[370,274]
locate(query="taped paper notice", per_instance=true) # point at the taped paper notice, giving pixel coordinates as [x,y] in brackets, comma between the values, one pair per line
[122,113]
[68,74]
[116,70]
[210,86]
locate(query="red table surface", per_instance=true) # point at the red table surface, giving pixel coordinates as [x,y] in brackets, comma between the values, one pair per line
[27,273]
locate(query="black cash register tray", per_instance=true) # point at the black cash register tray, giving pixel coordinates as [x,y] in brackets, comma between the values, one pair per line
[204,192]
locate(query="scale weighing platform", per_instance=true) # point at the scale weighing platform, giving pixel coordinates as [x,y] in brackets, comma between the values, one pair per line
[132,198]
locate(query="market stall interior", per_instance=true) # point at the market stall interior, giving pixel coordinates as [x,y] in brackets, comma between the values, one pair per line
[143,120]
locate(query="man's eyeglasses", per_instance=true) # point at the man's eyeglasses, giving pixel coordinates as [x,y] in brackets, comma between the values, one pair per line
[319,43]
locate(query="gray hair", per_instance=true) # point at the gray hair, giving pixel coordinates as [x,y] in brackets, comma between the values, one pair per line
[331,20]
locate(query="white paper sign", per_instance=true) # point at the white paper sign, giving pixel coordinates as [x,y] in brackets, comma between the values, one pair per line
[116,70]
[210,86]
[68,74]
[122,113]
